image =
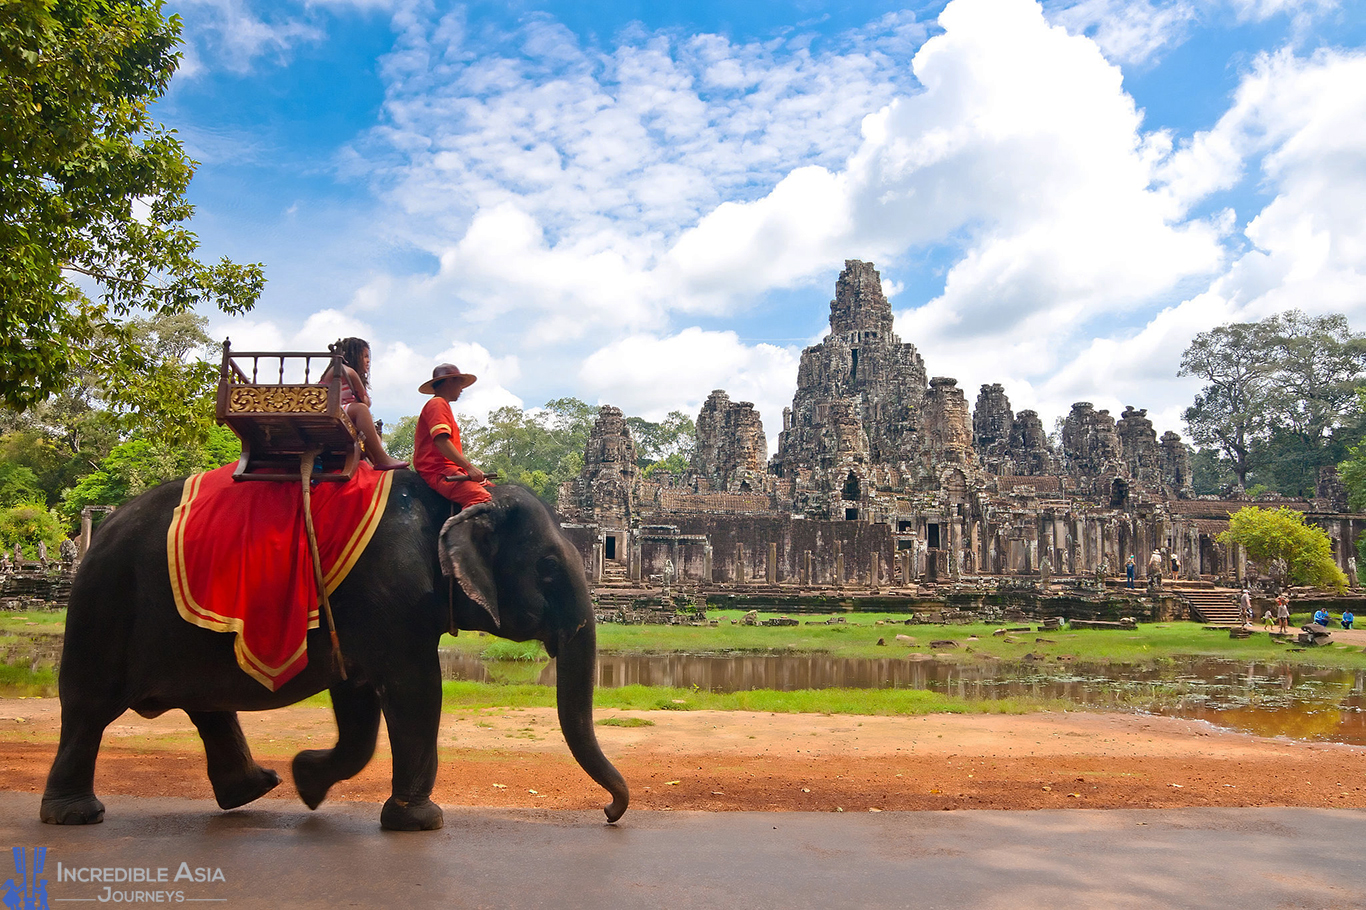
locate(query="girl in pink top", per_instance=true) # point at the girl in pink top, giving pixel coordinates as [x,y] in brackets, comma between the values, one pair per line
[355,398]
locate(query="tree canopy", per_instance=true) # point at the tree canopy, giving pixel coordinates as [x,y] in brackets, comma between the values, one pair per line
[1269,535]
[539,449]
[93,213]
[1279,399]
[664,446]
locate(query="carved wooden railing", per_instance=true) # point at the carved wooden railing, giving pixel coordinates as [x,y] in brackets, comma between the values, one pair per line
[279,406]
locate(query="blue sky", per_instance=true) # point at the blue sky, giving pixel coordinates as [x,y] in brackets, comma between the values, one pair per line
[635,203]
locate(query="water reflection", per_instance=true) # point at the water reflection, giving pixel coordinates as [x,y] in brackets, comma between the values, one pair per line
[1267,699]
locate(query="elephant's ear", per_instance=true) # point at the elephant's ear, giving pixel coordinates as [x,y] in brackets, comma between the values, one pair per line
[466,547]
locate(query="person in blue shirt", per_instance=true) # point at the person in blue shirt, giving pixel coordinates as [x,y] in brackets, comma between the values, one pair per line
[1348,619]
[1322,618]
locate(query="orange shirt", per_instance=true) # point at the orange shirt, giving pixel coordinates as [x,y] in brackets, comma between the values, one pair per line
[436,418]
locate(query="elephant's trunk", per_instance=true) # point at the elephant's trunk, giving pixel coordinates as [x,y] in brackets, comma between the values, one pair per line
[575,668]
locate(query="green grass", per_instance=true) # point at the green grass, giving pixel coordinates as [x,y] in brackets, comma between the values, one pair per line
[21,682]
[36,621]
[624,722]
[858,637]
[468,695]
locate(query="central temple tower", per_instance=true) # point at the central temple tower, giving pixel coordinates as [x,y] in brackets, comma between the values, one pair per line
[858,418]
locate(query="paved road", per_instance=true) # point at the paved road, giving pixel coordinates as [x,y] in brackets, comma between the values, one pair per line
[1230,859]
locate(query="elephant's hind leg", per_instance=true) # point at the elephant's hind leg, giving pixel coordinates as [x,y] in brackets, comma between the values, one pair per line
[236,777]
[316,770]
[69,797]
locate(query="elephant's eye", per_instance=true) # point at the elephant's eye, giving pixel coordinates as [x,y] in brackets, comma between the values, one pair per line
[548,567]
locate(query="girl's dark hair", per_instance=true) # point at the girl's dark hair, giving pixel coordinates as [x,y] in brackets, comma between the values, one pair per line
[350,350]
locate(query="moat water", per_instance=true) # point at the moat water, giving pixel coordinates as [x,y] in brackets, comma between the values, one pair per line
[1268,699]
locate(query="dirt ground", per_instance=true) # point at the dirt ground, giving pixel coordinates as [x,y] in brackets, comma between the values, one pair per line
[728,761]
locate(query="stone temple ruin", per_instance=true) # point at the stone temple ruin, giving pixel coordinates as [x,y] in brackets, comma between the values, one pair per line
[886,478]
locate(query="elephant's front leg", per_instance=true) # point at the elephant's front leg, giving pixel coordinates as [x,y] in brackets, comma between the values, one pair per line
[236,777]
[412,711]
[356,706]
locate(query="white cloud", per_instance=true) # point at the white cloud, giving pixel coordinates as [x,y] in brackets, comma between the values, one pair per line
[1128,31]
[231,34]
[1300,123]
[589,202]
[648,376]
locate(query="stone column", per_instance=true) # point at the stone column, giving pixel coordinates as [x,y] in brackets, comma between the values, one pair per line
[807,577]
[706,562]
[635,556]
[740,573]
[839,565]
[874,572]
[906,568]
[773,563]
[595,567]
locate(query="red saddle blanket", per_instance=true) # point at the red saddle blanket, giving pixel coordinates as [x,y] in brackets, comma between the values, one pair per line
[239,561]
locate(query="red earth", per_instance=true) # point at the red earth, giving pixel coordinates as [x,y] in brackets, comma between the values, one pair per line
[730,761]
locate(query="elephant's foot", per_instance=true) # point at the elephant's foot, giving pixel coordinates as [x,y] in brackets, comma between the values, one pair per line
[241,790]
[73,810]
[403,815]
[312,776]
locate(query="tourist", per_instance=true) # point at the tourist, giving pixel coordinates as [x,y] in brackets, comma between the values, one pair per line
[1267,621]
[1155,568]
[355,399]
[1129,571]
[1321,617]
[437,453]
[1283,612]
[1347,619]
[1247,607]
[1176,567]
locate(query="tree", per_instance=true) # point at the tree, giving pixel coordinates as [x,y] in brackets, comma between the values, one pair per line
[1279,400]
[539,449]
[18,485]
[672,440]
[1227,413]
[399,441]
[92,197]
[1282,534]
[140,464]
[26,525]
[1210,474]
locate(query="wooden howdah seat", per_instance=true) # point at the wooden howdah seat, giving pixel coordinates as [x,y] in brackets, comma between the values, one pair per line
[279,421]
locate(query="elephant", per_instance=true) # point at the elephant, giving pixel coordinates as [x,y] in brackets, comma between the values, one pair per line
[502,567]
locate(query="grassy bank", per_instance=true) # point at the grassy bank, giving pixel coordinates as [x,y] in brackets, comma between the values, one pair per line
[858,637]
[469,695]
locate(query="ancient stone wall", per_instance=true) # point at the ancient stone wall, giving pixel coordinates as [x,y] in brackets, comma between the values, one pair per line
[947,425]
[1138,446]
[604,491]
[1029,449]
[1090,445]
[1175,459]
[731,448]
[992,422]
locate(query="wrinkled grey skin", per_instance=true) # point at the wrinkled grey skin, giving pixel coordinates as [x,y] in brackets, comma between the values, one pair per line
[127,647]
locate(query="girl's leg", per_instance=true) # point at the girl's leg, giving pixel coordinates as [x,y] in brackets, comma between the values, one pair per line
[374,445]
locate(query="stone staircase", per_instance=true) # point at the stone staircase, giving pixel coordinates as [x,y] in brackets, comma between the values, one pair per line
[1215,606]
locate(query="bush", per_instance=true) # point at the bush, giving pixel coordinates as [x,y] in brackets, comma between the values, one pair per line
[25,525]
[1271,534]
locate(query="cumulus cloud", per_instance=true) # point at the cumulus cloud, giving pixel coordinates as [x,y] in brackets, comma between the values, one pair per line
[588,203]
[649,376]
